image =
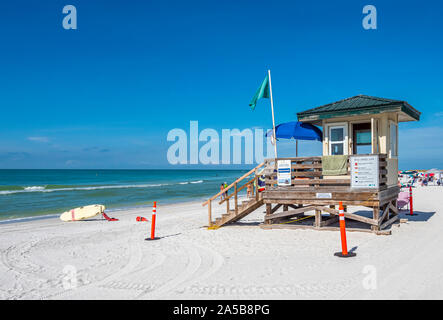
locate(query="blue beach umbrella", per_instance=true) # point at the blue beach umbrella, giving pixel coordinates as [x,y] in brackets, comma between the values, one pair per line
[296,130]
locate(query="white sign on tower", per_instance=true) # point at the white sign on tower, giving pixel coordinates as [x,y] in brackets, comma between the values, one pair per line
[364,171]
[284,172]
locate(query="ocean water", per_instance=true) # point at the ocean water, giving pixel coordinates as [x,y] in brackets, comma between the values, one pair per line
[34,193]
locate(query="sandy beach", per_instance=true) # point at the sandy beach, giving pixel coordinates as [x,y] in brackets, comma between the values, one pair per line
[97,259]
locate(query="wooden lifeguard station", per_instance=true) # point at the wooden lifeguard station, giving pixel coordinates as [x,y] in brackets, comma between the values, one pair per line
[363,132]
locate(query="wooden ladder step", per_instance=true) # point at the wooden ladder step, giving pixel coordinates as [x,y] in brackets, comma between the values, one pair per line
[248,202]
[230,216]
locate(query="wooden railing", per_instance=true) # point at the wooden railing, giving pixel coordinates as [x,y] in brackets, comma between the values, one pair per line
[307,172]
[235,189]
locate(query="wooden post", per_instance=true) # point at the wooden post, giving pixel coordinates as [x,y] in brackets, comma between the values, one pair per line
[227,206]
[209,213]
[317,222]
[395,203]
[235,198]
[332,206]
[389,210]
[268,212]
[285,208]
[376,216]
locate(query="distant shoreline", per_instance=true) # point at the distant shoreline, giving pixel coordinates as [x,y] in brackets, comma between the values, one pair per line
[35,193]
[110,210]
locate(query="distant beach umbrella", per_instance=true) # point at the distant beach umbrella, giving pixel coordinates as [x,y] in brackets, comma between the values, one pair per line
[296,130]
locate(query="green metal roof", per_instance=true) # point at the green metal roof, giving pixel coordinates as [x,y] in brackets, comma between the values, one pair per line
[357,105]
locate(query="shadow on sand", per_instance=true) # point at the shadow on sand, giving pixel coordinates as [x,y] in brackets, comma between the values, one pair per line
[403,214]
[170,235]
[418,215]
[246,223]
[353,249]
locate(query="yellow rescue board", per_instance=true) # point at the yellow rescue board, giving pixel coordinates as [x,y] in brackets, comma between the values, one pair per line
[82,212]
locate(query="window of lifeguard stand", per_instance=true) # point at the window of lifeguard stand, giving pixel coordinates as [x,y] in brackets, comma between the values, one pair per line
[337,137]
[362,138]
[393,139]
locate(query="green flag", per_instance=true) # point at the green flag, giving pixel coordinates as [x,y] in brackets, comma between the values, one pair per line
[262,92]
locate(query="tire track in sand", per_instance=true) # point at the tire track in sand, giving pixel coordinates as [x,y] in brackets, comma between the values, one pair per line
[114,280]
[25,273]
[192,272]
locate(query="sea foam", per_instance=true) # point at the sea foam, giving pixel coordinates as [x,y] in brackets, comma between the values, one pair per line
[87,188]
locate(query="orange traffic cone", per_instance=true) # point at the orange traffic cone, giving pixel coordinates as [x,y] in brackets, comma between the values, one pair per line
[411,209]
[154,213]
[344,247]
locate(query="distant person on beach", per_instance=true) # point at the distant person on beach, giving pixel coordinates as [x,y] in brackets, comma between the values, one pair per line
[226,187]
[249,194]
[222,187]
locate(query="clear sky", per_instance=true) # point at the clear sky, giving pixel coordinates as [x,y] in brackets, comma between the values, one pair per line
[106,95]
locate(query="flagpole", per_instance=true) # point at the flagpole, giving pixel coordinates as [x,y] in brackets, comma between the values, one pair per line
[272,108]
[296,147]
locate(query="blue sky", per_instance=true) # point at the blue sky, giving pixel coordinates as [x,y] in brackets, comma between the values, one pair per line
[106,95]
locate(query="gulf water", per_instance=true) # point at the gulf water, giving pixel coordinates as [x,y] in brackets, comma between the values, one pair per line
[36,193]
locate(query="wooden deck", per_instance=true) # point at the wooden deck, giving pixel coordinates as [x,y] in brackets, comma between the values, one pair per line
[310,191]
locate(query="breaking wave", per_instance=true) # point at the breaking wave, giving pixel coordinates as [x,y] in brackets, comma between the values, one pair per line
[16,189]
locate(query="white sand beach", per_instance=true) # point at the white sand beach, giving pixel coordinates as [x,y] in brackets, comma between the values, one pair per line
[113,261]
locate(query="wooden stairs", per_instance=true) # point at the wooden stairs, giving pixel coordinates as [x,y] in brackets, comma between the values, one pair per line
[240,209]
[245,208]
